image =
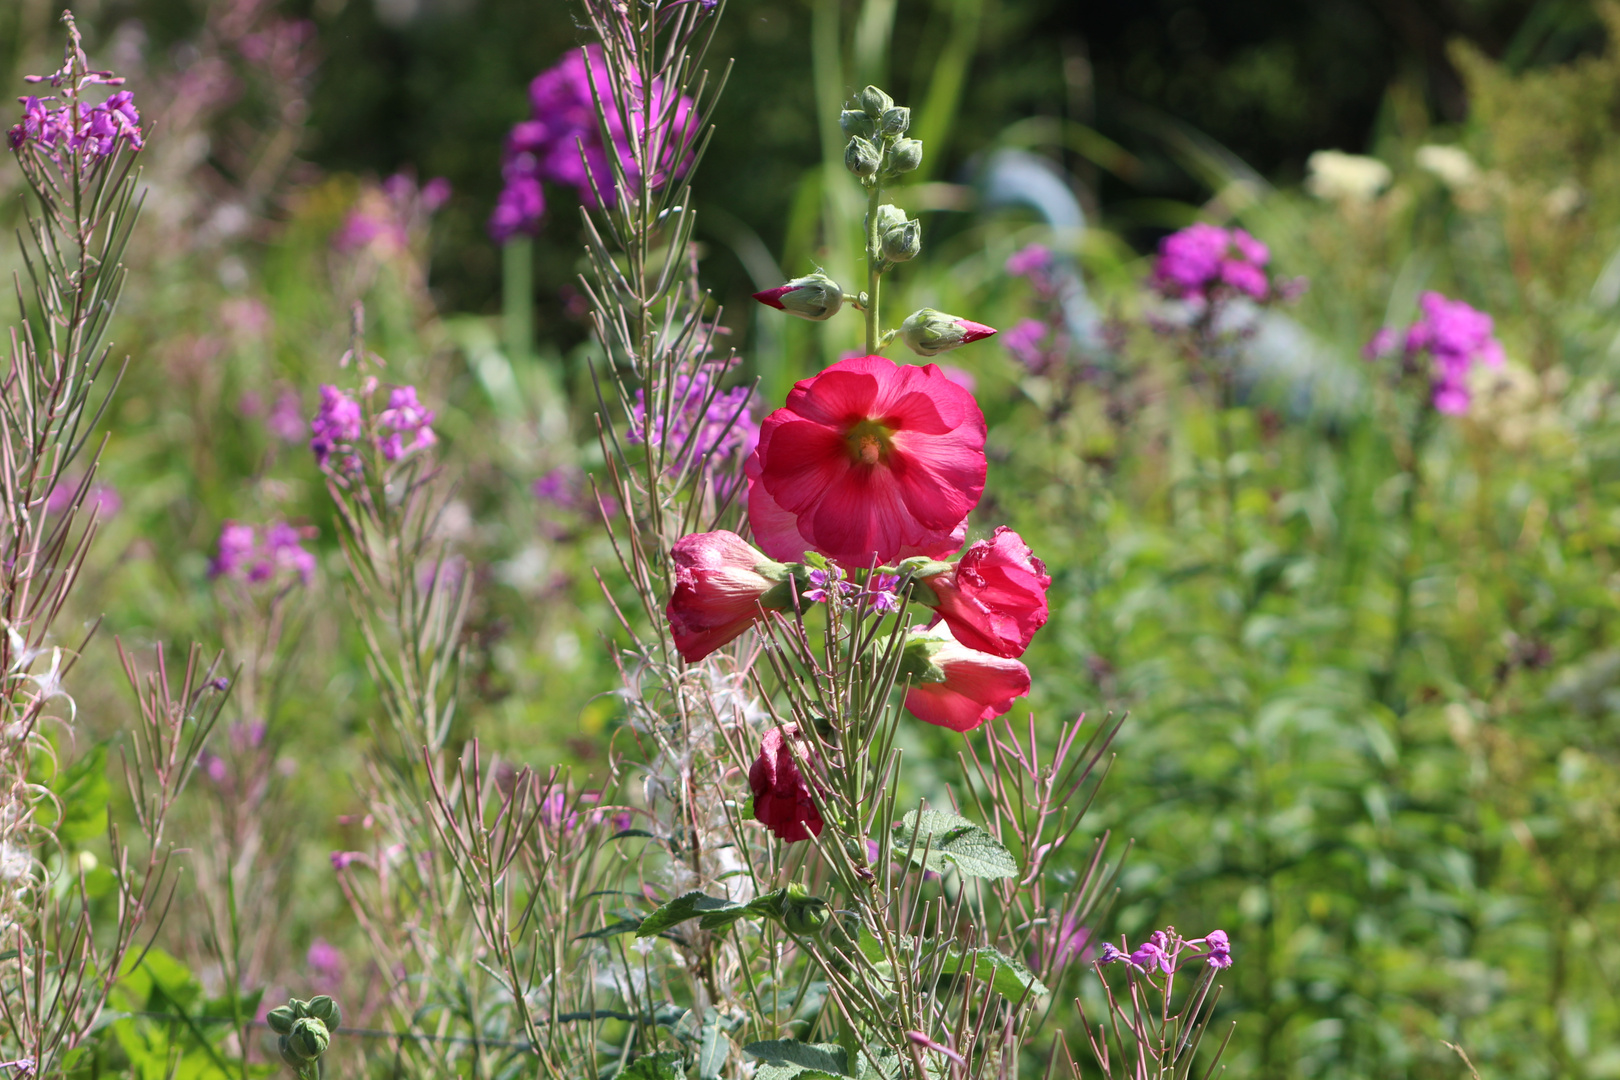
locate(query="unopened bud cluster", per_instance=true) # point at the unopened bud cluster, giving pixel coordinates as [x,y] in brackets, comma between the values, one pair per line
[878,150]
[305,1028]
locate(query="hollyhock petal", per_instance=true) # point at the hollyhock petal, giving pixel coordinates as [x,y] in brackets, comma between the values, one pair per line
[846,391]
[807,460]
[995,599]
[773,297]
[775,530]
[718,589]
[782,800]
[977,686]
[972,331]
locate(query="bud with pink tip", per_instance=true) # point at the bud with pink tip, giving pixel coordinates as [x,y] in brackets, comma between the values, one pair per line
[928,332]
[814,297]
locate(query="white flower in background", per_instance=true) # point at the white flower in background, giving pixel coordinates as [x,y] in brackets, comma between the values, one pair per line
[1335,175]
[1450,163]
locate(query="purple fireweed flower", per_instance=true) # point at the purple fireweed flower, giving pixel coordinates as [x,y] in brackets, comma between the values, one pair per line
[236,544]
[561,142]
[560,487]
[404,417]
[1026,342]
[1110,954]
[246,554]
[102,498]
[1151,953]
[1220,949]
[286,419]
[385,214]
[336,424]
[725,429]
[1454,337]
[1029,261]
[1205,262]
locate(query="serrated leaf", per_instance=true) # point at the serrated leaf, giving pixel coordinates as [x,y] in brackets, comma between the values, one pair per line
[714,1047]
[797,1059]
[953,840]
[1006,975]
[686,906]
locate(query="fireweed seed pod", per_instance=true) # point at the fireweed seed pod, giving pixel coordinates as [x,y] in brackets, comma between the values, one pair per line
[875,102]
[862,158]
[902,242]
[905,155]
[309,1038]
[815,297]
[927,332]
[856,122]
[895,121]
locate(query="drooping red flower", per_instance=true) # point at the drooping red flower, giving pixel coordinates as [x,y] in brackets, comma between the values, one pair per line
[782,801]
[994,598]
[957,687]
[721,583]
[869,460]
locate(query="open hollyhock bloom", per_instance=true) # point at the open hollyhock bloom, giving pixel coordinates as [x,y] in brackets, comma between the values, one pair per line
[782,801]
[953,686]
[868,461]
[722,587]
[994,598]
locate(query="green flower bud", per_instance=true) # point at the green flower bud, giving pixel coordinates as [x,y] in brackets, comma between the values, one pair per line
[895,121]
[862,158]
[902,242]
[325,1010]
[875,102]
[281,1019]
[888,216]
[308,1038]
[287,1053]
[805,914]
[856,122]
[904,155]
[815,297]
[928,332]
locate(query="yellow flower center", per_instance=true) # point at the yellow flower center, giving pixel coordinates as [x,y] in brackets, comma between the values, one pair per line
[868,442]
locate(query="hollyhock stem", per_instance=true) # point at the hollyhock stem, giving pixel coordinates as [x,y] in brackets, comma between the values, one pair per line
[517,297]
[874,196]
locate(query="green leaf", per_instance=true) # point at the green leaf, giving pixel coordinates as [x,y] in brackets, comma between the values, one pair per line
[83,792]
[714,1047]
[953,840]
[1009,978]
[788,1058]
[661,1066]
[623,926]
[686,906]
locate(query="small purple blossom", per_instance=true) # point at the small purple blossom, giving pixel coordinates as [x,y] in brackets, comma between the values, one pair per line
[1029,261]
[825,583]
[882,593]
[1110,954]
[725,429]
[1454,337]
[342,860]
[337,424]
[1205,263]
[1220,949]
[404,417]
[1150,953]
[384,216]
[1026,341]
[286,420]
[254,557]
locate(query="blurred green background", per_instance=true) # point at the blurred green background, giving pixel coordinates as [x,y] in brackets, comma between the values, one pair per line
[1410,825]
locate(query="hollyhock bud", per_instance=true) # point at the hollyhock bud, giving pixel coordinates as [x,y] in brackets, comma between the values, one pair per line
[994,598]
[722,587]
[308,1038]
[856,122]
[875,102]
[895,121]
[815,297]
[802,913]
[325,1010]
[861,157]
[888,216]
[782,801]
[281,1019]
[955,687]
[904,156]
[902,242]
[928,332]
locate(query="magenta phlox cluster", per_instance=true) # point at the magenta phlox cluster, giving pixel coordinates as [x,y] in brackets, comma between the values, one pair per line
[1454,337]
[257,555]
[561,142]
[405,418]
[1205,262]
[697,427]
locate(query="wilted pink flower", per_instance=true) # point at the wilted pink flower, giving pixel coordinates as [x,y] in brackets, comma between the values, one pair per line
[782,800]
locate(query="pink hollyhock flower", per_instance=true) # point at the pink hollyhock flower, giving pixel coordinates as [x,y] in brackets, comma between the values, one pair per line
[782,801]
[722,587]
[956,687]
[869,460]
[994,598]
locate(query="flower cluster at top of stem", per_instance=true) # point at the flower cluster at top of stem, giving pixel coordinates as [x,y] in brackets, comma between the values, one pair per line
[260,555]
[341,428]
[1442,347]
[1205,263]
[878,151]
[73,136]
[860,485]
[561,142]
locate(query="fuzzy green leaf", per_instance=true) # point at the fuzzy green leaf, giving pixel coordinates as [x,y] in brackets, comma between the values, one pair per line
[788,1058]
[953,840]
[686,906]
[1010,978]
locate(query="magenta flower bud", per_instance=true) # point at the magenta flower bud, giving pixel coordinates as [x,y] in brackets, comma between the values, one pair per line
[723,585]
[782,800]
[928,332]
[815,297]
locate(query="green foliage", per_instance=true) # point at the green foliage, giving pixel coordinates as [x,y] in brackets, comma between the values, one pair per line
[938,839]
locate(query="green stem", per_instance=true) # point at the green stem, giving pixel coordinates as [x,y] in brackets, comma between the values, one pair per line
[874,195]
[517,297]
